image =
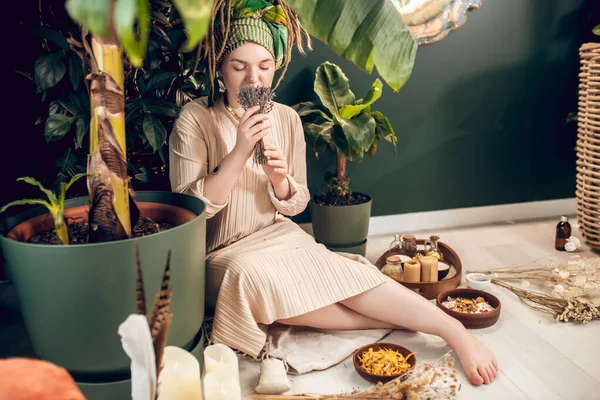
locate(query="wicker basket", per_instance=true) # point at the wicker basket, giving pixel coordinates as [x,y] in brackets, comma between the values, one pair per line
[588,145]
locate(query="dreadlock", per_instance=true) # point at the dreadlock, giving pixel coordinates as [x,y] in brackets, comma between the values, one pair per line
[220,25]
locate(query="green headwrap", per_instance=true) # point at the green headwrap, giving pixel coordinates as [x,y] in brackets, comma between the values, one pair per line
[257,21]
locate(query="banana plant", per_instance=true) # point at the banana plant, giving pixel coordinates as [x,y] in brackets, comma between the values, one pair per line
[368,33]
[342,123]
[112,27]
[55,204]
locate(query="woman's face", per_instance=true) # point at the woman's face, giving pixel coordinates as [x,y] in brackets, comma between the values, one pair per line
[249,65]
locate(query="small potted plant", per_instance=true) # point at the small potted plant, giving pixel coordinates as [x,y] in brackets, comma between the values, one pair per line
[350,128]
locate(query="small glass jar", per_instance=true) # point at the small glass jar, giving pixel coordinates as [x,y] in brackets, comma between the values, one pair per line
[432,249]
[396,243]
[409,245]
[393,267]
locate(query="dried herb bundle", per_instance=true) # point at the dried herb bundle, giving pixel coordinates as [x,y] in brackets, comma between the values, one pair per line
[572,288]
[251,96]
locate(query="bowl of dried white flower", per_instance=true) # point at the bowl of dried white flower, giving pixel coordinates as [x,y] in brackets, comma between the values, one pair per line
[474,308]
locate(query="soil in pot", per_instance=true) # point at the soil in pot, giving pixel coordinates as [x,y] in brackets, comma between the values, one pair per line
[154,218]
[78,231]
[331,199]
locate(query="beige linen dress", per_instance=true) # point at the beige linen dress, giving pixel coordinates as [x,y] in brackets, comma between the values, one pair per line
[269,267]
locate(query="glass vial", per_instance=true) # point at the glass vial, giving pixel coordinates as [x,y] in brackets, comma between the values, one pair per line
[432,249]
[396,243]
[563,232]
[409,245]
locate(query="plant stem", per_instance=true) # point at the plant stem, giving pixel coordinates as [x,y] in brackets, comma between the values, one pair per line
[341,168]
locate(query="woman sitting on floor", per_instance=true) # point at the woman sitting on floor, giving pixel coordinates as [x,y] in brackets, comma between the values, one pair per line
[272,270]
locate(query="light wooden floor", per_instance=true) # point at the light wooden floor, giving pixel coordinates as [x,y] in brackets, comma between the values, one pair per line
[538,357]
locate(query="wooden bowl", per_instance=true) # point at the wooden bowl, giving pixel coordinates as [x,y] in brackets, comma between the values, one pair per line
[430,290]
[472,321]
[412,360]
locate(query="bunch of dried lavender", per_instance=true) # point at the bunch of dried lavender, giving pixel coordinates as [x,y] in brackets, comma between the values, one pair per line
[262,96]
[425,381]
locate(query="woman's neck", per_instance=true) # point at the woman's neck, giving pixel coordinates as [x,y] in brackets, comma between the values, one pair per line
[232,101]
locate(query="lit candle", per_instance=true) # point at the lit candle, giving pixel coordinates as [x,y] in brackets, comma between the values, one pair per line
[180,376]
[220,386]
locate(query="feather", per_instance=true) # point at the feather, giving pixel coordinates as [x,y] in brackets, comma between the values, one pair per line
[140,295]
[137,344]
[162,301]
[161,341]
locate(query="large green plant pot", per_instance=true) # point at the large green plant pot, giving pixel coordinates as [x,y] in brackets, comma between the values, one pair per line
[73,298]
[342,228]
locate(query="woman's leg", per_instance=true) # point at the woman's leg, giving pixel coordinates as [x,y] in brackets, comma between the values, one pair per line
[415,312]
[337,316]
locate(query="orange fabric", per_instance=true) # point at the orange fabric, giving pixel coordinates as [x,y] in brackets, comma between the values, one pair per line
[30,379]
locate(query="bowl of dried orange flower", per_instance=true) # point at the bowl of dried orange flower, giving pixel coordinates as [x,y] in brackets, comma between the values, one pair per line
[474,308]
[383,362]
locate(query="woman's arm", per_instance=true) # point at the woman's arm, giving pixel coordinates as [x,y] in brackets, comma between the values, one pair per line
[188,161]
[290,194]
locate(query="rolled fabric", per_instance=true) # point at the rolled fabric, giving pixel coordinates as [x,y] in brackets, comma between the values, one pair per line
[412,271]
[429,269]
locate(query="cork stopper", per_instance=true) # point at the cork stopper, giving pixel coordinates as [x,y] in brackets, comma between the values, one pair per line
[408,238]
[395,259]
[564,219]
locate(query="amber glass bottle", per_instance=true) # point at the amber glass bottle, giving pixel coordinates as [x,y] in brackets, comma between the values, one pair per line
[563,232]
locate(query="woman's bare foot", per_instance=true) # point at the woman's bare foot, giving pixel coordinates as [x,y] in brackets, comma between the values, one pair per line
[477,361]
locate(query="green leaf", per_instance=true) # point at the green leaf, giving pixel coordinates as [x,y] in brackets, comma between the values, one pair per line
[383,128]
[35,182]
[308,109]
[196,15]
[26,202]
[126,12]
[49,70]
[74,179]
[154,131]
[75,70]
[341,143]
[333,87]
[52,35]
[161,107]
[81,126]
[372,96]
[596,30]
[57,126]
[359,131]
[157,80]
[367,33]
[90,14]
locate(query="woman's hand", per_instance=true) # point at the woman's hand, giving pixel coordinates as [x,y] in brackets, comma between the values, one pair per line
[276,167]
[250,131]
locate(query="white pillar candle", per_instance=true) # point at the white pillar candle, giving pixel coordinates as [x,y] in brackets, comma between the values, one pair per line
[220,358]
[218,385]
[180,376]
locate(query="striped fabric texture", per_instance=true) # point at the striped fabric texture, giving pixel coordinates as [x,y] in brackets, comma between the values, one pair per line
[261,267]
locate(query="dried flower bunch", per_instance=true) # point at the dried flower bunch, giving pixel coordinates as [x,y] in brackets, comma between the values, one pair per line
[572,288]
[425,381]
[251,96]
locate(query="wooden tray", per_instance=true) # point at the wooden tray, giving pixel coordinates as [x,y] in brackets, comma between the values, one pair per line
[430,290]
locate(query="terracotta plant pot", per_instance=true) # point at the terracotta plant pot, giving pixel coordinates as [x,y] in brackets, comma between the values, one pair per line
[73,298]
[342,228]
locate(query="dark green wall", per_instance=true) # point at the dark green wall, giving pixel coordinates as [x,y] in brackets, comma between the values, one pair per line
[482,119]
